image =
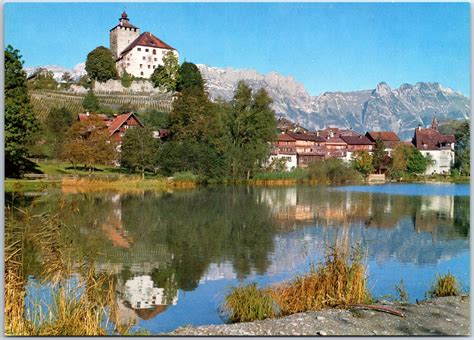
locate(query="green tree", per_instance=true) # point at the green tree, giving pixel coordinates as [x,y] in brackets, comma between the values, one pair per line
[155,119]
[100,64]
[416,162]
[139,150]
[189,78]
[400,156]
[90,102]
[167,75]
[462,148]
[363,162]
[59,120]
[88,142]
[252,125]
[20,121]
[126,79]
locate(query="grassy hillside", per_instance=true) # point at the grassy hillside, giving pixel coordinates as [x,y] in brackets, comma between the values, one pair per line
[44,100]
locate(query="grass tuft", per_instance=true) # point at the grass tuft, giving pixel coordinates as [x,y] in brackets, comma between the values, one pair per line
[248,303]
[445,285]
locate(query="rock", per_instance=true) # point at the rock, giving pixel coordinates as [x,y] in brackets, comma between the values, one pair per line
[321,333]
[320,318]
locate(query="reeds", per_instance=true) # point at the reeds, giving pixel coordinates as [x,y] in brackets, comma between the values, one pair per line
[78,301]
[445,285]
[339,281]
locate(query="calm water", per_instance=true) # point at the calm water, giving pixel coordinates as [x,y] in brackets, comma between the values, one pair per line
[175,255]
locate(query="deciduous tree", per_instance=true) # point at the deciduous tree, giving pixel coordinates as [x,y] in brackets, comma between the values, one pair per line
[100,64]
[189,78]
[139,150]
[167,75]
[87,142]
[90,102]
[363,162]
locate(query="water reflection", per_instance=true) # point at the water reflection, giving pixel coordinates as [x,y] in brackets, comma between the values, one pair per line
[160,246]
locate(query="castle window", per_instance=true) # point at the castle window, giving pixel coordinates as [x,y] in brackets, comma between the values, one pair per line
[148,66]
[146,50]
[141,73]
[143,58]
[139,49]
[154,66]
[128,64]
[141,65]
[154,51]
[155,59]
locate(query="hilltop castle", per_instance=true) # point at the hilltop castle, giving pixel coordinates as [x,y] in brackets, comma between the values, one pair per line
[138,54]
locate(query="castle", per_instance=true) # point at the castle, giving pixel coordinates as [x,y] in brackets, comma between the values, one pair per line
[137,54]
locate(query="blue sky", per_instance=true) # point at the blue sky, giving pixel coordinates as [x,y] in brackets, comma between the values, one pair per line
[325,46]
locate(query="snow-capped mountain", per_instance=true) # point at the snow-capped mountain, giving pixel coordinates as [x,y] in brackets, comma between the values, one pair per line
[400,110]
[77,72]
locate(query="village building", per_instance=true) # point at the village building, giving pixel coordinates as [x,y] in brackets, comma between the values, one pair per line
[117,126]
[309,148]
[284,148]
[390,139]
[356,144]
[137,54]
[439,147]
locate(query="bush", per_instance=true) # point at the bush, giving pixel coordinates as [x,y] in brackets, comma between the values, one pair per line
[333,171]
[445,285]
[248,303]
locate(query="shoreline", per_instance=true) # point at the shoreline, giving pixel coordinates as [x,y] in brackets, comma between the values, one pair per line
[432,317]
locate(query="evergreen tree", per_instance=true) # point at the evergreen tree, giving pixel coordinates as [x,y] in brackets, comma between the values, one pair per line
[462,149]
[189,78]
[139,150]
[20,121]
[100,64]
[126,79]
[90,102]
[59,120]
[167,75]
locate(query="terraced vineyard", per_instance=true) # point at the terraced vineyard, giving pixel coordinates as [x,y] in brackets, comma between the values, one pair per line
[43,101]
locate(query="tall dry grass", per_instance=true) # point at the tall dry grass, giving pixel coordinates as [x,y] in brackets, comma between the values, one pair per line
[339,280]
[79,302]
[445,285]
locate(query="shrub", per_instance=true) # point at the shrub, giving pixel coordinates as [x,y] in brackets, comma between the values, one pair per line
[445,285]
[248,303]
[333,171]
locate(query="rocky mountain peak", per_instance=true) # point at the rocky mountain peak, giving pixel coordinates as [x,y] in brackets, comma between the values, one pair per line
[382,89]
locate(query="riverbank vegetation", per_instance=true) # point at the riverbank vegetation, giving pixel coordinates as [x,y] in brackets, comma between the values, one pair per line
[61,294]
[445,285]
[340,280]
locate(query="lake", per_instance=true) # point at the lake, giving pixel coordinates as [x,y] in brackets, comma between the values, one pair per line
[176,254]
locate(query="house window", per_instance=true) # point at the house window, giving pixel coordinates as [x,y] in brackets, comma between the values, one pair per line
[154,51]
[139,49]
[146,50]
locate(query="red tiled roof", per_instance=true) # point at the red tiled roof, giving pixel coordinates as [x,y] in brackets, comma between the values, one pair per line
[386,136]
[356,140]
[431,139]
[146,39]
[120,120]
[306,136]
[335,140]
[284,137]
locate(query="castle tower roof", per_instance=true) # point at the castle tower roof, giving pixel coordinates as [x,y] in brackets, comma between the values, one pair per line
[124,22]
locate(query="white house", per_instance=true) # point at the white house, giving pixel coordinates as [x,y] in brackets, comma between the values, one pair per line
[438,146]
[138,54]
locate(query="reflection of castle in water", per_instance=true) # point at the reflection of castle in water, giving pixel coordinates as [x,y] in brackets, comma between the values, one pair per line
[139,297]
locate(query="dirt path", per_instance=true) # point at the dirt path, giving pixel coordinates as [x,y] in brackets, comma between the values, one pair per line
[441,316]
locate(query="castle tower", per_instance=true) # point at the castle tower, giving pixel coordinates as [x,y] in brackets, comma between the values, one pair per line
[434,124]
[122,35]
